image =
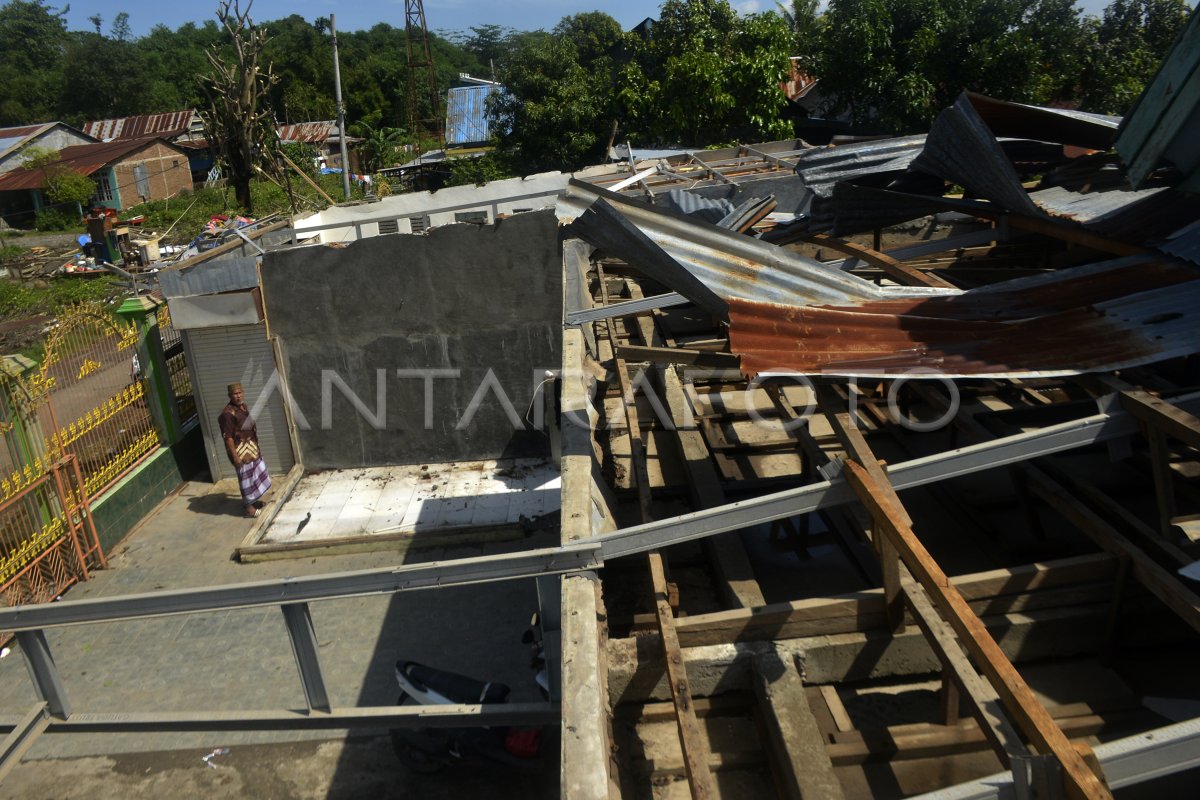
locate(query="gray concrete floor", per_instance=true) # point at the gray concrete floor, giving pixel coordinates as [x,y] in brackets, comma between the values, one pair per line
[242,660]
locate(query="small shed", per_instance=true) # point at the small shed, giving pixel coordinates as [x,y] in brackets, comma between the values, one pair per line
[126,172]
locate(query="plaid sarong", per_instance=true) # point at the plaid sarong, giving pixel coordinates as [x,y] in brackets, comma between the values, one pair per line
[253,480]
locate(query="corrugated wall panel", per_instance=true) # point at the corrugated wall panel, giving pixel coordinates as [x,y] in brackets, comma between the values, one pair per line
[466,115]
[219,357]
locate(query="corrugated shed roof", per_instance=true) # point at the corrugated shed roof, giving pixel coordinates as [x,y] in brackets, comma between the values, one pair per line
[466,114]
[1101,317]
[82,158]
[167,126]
[308,132]
[213,276]
[727,166]
[12,138]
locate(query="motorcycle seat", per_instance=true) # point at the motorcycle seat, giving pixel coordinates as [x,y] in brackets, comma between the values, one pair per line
[456,688]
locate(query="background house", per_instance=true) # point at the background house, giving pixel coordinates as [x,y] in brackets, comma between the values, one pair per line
[50,135]
[126,172]
[324,136]
[183,128]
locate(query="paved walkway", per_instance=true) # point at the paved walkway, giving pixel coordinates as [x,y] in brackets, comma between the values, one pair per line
[242,659]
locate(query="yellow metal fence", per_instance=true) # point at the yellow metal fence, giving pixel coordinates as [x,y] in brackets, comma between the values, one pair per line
[86,405]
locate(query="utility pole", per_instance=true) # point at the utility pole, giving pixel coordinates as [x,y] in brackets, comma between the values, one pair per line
[341,109]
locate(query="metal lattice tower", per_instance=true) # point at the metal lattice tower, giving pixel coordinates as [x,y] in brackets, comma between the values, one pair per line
[421,75]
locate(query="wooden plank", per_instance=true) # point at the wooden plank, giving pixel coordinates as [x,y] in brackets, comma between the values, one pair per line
[1163,415]
[696,752]
[855,444]
[837,709]
[985,702]
[893,268]
[938,741]
[1162,583]
[735,574]
[853,613]
[796,742]
[695,749]
[1031,716]
[679,355]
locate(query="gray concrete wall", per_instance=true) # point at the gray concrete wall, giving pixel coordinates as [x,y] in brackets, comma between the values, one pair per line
[464,297]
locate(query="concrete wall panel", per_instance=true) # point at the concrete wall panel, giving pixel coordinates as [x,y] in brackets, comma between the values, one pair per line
[475,299]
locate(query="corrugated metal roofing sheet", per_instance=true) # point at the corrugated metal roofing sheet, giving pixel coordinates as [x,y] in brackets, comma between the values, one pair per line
[167,126]
[11,138]
[82,158]
[307,132]
[1184,243]
[962,149]
[823,168]
[727,264]
[466,115]
[1101,317]
[1162,125]
[1019,121]
[213,276]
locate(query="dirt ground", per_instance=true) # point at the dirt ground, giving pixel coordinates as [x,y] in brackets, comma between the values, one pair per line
[331,770]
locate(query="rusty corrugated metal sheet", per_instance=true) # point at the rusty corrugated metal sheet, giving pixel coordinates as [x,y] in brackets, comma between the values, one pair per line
[307,132]
[167,126]
[1101,317]
[727,264]
[82,158]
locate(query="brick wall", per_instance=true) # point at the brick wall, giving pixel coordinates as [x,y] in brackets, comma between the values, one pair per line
[166,168]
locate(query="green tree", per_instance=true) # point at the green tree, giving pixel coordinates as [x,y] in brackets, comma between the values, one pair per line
[381,147]
[553,112]
[33,37]
[897,63]
[706,76]
[62,184]
[595,35]
[1129,43]
[806,22]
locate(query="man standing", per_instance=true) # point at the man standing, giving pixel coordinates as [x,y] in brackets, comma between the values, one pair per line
[241,445]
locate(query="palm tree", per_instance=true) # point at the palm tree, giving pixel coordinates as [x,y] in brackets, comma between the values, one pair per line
[381,148]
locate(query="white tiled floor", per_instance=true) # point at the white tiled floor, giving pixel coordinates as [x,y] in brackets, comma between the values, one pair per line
[358,502]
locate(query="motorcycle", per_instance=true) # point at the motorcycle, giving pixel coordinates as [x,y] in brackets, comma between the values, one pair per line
[429,750]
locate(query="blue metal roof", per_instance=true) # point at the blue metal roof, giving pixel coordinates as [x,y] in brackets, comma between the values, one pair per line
[466,114]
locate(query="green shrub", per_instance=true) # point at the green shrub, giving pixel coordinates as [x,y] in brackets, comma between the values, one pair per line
[57,219]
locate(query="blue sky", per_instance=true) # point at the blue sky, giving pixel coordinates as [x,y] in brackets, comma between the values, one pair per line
[449,15]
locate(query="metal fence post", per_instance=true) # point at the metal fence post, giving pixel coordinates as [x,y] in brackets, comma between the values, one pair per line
[304,647]
[43,672]
[142,312]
